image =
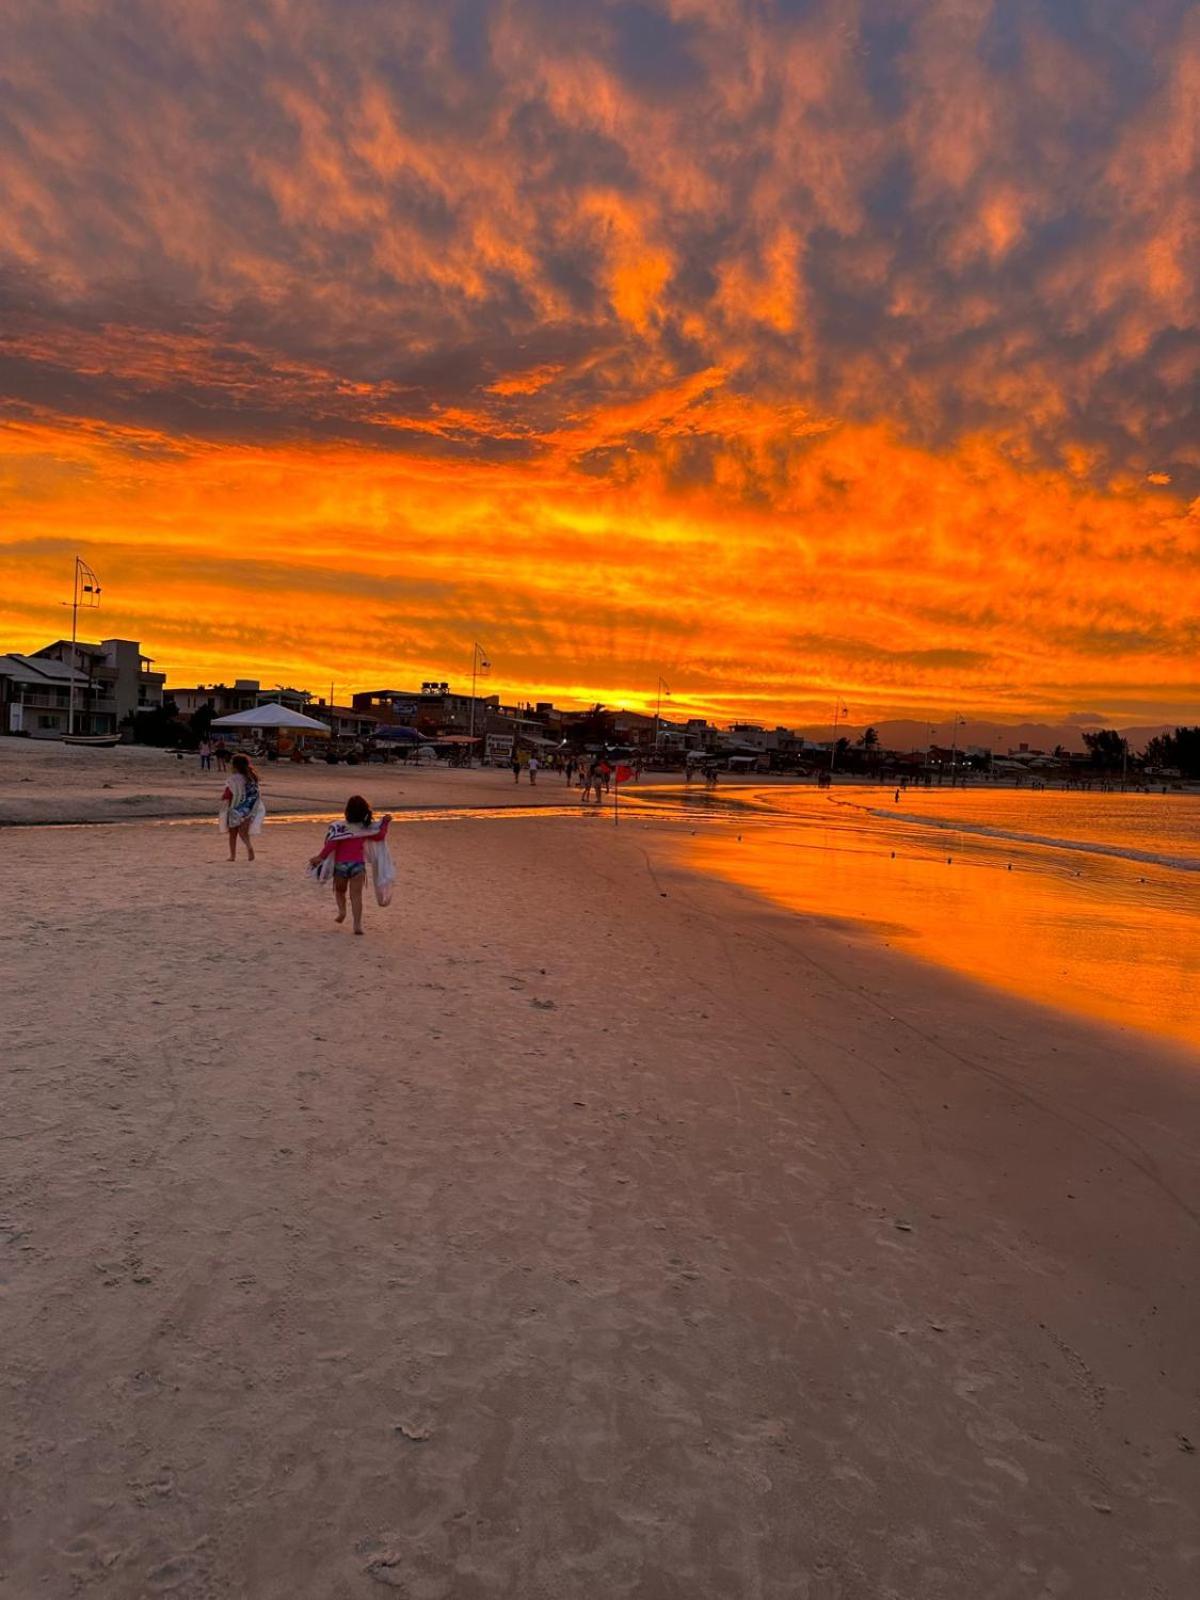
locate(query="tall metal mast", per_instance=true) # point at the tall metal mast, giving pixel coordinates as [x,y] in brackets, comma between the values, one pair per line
[479,663]
[839,711]
[85,592]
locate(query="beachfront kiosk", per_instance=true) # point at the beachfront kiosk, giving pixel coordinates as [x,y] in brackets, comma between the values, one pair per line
[280,729]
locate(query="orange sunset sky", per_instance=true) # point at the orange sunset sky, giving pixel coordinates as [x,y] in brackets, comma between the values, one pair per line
[796,352]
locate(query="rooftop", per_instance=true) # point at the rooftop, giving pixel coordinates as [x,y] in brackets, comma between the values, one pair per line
[38,669]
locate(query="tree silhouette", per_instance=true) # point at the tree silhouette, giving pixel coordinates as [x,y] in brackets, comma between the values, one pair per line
[1106,747]
[1180,749]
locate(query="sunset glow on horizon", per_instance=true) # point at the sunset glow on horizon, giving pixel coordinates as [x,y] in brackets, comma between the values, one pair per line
[792,352]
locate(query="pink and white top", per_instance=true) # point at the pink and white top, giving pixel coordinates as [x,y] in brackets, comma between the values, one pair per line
[347,847]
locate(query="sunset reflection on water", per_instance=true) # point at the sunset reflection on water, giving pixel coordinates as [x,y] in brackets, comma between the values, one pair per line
[1066,924]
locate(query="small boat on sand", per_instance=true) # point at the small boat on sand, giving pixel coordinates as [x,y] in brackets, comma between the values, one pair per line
[97,741]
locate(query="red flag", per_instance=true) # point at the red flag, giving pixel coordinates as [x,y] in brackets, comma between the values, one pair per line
[623,773]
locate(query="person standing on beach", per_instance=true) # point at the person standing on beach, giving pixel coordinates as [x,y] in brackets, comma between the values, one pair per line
[205,755]
[242,809]
[347,845]
[533,769]
[515,764]
[222,755]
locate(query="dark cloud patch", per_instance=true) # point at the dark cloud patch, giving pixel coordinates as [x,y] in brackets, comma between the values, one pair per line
[194,411]
[1131,640]
[960,222]
[885,39]
[652,51]
[852,647]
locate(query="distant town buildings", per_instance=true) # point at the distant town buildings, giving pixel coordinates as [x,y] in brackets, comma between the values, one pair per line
[114,682]
[245,693]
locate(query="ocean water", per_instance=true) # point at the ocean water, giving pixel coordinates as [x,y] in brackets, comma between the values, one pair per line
[1088,902]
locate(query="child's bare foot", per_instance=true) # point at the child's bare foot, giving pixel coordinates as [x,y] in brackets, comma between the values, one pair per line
[341,916]
[250,852]
[358,930]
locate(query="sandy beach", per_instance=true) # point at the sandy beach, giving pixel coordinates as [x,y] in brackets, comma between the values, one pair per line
[591,1228]
[47,782]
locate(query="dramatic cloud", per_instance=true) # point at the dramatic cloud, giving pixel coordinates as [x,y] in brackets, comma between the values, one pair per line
[791,349]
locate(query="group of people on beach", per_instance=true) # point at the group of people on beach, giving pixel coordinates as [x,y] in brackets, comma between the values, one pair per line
[708,772]
[521,762]
[357,843]
[593,777]
[209,753]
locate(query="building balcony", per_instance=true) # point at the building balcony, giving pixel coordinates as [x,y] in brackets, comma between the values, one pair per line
[48,701]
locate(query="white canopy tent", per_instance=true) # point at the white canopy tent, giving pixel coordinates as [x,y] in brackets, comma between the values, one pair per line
[271,717]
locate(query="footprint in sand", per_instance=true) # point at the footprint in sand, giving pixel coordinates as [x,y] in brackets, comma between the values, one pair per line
[179,1572]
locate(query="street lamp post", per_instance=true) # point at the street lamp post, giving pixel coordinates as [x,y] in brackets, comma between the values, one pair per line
[662,689]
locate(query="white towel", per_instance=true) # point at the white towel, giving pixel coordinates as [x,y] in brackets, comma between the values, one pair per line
[383,870]
[236,785]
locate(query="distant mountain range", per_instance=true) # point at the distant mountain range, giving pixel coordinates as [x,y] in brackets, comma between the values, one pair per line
[906,735]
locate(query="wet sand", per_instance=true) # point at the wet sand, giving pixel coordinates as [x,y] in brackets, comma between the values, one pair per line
[589,1228]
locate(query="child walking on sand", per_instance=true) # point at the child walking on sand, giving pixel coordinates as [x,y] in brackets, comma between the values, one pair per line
[242,810]
[345,847]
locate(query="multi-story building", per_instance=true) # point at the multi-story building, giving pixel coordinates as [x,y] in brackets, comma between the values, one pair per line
[121,679]
[113,681]
[245,694]
[35,695]
[636,728]
[222,699]
[434,709]
[751,736]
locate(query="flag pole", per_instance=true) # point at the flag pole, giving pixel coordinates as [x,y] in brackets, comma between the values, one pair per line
[74,632]
[85,583]
[479,663]
[471,724]
[839,711]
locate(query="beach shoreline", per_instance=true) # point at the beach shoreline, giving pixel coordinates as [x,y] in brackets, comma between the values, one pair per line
[591,1223]
[45,782]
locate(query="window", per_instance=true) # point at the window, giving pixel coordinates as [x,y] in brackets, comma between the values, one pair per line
[47,722]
